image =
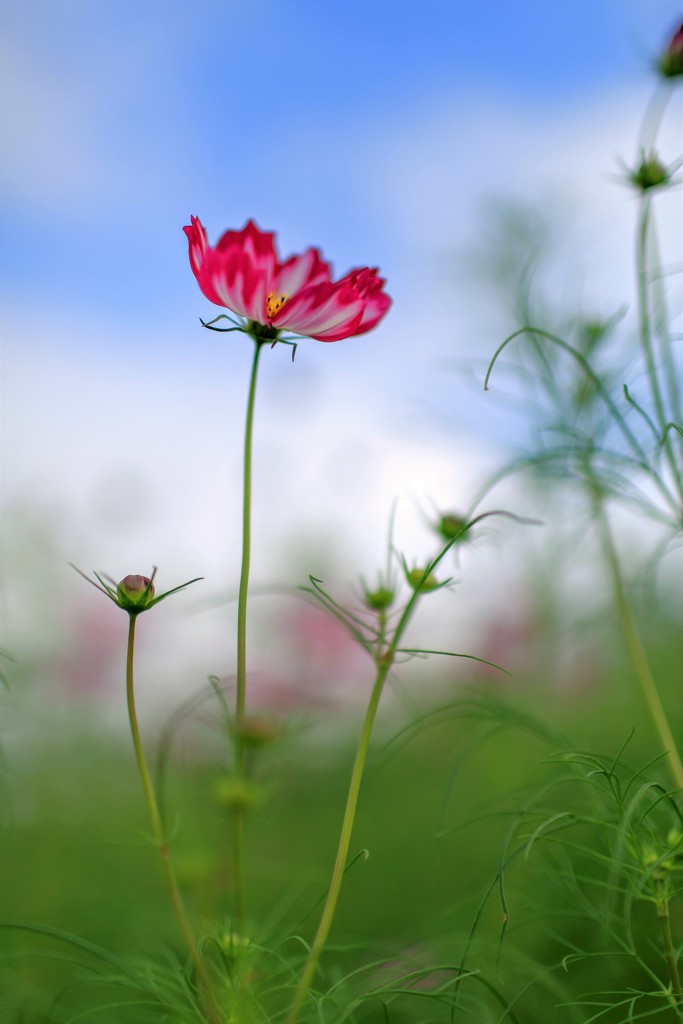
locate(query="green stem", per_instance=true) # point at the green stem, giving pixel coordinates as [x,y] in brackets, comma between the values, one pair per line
[241,696]
[644,315]
[670,954]
[652,119]
[310,967]
[636,650]
[662,331]
[384,659]
[159,836]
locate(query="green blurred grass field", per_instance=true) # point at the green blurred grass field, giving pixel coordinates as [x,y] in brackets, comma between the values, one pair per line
[438,806]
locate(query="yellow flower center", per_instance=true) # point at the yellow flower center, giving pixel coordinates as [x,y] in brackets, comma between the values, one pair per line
[274,303]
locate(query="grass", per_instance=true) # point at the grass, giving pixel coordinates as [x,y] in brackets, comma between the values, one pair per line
[475,782]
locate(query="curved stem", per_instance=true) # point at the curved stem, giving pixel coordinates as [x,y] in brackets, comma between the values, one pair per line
[644,317]
[327,916]
[652,119]
[241,696]
[636,650]
[628,435]
[158,831]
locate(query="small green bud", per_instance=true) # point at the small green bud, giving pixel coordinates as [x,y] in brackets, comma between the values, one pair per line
[135,593]
[237,794]
[648,855]
[591,333]
[450,525]
[234,945]
[674,838]
[259,730]
[651,173]
[674,841]
[416,580]
[380,599]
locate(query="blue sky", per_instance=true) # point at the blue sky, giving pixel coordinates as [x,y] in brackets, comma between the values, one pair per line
[377,131]
[124,118]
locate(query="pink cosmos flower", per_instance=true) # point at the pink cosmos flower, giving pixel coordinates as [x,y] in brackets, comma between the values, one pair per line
[244,274]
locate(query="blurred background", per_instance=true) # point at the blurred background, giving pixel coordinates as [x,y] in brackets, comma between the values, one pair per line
[451,144]
[443,142]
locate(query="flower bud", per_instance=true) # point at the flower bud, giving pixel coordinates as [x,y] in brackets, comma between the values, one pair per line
[135,592]
[450,525]
[648,855]
[674,841]
[671,61]
[416,580]
[260,730]
[591,333]
[379,600]
[650,173]
[236,795]
[234,945]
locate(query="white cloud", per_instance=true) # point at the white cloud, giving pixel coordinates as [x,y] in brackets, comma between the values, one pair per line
[349,428]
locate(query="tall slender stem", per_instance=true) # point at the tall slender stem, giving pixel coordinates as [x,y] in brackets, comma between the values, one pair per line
[204,981]
[652,119]
[646,338]
[636,651]
[384,659]
[327,916]
[644,308]
[241,696]
[662,904]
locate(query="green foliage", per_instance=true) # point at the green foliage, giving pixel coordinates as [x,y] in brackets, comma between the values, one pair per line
[469,818]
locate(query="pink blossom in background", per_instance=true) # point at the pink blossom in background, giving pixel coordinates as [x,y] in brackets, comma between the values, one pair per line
[91,664]
[244,274]
[312,664]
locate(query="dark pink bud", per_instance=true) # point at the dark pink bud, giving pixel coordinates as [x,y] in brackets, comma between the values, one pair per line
[671,61]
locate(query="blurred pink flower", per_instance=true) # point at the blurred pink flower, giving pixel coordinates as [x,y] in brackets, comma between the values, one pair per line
[244,274]
[91,664]
[325,667]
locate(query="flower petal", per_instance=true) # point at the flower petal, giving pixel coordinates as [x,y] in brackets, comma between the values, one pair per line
[239,272]
[377,302]
[248,260]
[301,271]
[330,312]
[243,270]
[196,235]
[321,307]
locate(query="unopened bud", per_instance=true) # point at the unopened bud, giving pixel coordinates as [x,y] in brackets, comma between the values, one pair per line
[135,592]
[674,840]
[671,61]
[236,795]
[417,580]
[259,730]
[451,526]
[379,600]
[651,173]
[233,944]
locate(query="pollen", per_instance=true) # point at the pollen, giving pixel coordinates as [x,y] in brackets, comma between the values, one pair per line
[274,303]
